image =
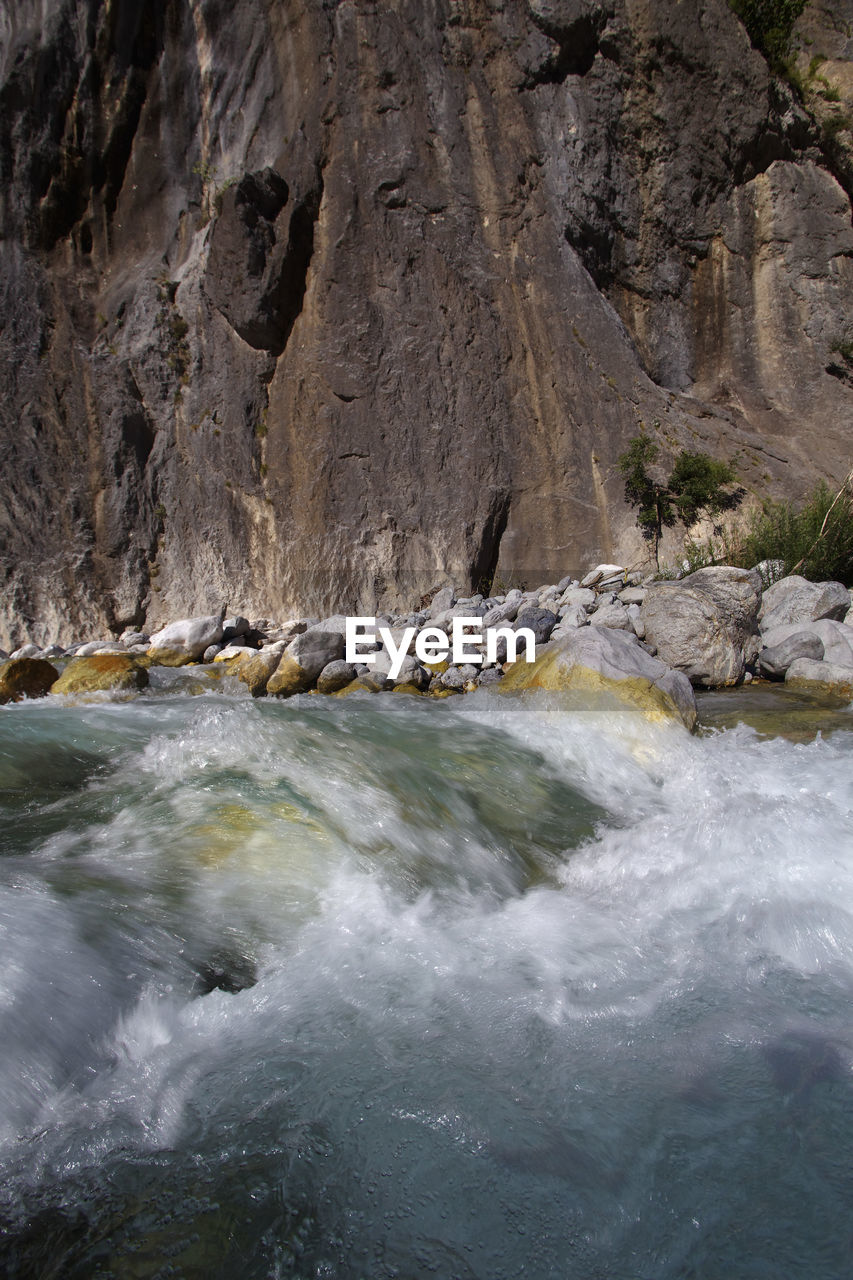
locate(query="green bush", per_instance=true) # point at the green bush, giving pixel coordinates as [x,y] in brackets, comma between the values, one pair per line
[815,541]
[696,484]
[769,24]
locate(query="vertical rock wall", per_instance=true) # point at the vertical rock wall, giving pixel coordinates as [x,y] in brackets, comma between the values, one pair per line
[321,302]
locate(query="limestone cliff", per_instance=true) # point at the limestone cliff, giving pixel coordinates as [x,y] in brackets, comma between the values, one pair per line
[307,302]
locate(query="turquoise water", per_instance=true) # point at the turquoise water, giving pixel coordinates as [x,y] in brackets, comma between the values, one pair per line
[380,988]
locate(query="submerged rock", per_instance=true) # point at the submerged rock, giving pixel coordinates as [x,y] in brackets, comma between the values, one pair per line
[26,678]
[597,661]
[99,672]
[820,677]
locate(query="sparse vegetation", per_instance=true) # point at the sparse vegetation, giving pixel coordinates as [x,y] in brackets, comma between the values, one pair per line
[696,484]
[174,329]
[837,123]
[770,24]
[815,541]
[844,348]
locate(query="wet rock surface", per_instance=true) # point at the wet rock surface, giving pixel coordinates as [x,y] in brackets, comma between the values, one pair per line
[96,674]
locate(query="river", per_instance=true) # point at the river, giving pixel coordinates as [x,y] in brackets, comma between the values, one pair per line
[376,987]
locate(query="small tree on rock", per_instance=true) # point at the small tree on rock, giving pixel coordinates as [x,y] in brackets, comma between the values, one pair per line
[697,484]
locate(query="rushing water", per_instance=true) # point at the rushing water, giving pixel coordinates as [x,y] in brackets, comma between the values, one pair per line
[380,988]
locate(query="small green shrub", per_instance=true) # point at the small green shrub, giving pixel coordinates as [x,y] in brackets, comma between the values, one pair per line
[815,541]
[844,348]
[696,484]
[178,328]
[769,24]
[837,123]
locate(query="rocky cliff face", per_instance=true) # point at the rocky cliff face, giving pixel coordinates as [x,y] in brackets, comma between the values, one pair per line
[307,302]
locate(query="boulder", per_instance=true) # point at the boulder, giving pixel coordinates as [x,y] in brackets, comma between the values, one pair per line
[442,600]
[288,630]
[603,573]
[771,571]
[573,616]
[231,651]
[795,599]
[26,651]
[335,675]
[836,638]
[491,675]
[98,672]
[256,670]
[185,640]
[540,621]
[575,597]
[500,613]
[452,678]
[337,623]
[704,624]
[820,677]
[775,661]
[26,678]
[598,663]
[234,627]
[611,615]
[409,673]
[303,660]
[636,621]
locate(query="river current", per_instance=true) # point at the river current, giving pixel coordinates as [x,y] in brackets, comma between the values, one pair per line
[376,987]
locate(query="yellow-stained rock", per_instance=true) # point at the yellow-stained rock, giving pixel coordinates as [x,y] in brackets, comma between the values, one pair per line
[437,668]
[596,665]
[100,672]
[26,678]
[363,684]
[289,678]
[168,657]
[408,688]
[256,671]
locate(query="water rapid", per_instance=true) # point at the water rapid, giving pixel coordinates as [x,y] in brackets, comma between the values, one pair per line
[378,988]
